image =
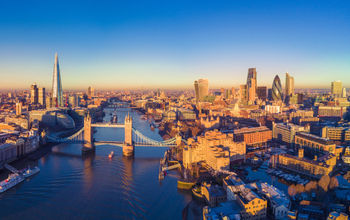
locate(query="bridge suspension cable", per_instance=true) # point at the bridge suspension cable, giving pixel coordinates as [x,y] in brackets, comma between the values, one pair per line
[140,139]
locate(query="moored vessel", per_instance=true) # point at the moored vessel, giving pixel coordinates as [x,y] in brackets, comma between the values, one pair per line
[30,172]
[11,181]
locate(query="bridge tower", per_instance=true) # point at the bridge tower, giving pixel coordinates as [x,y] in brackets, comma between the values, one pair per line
[128,147]
[88,143]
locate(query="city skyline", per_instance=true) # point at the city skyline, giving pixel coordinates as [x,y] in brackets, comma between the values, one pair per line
[139,46]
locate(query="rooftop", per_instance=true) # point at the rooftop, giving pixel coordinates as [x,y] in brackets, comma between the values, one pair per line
[315,138]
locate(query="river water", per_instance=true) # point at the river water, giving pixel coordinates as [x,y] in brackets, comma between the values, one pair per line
[72,186]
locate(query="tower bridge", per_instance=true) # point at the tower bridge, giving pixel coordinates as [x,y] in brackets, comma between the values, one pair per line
[132,137]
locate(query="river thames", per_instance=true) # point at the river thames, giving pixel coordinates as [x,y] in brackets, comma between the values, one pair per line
[70,186]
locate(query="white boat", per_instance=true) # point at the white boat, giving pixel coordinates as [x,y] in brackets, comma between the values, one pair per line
[30,172]
[111,155]
[11,181]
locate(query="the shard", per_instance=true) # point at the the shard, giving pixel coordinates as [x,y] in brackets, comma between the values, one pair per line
[57,94]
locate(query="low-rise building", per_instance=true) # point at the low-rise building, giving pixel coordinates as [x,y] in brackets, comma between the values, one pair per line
[336,133]
[316,143]
[313,168]
[215,149]
[213,194]
[285,132]
[8,153]
[255,136]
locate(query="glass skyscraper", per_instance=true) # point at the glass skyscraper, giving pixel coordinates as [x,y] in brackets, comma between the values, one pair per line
[276,89]
[57,94]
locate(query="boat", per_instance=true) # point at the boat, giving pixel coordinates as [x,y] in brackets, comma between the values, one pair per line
[30,172]
[11,181]
[185,184]
[111,155]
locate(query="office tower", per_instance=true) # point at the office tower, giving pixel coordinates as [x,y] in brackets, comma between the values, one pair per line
[41,96]
[34,94]
[261,92]
[252,90]
[251,84]
[336,88]
[251,75]
[57,94]
[18,108]
[289,85]
[91,92]
[243,92]
[196,90]
[344,95]
[276,89]
[201,88]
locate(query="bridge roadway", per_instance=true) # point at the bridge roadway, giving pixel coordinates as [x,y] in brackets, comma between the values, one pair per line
[107,125]
[120,143]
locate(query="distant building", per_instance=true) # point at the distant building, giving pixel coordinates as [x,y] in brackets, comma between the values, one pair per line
[243,92]
[337,88]
[344,94]
[261,92]
[201,88]
[331,111]
[41,96]
[18,108]
[276,89]
[252,76]
[251,84]
[34,94]
[91,92]
[289,85]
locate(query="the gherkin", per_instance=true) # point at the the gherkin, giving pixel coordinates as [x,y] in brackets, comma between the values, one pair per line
[276,89]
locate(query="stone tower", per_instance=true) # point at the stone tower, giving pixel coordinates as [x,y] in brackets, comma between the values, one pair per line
[87,129]
[128,130]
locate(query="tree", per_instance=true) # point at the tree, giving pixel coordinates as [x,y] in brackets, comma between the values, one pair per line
[310,186]
[324,182]
[300,188]
[292,190]
[333,183]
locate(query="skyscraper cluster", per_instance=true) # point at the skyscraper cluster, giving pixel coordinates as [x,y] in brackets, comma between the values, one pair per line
[250,91]
[201,88]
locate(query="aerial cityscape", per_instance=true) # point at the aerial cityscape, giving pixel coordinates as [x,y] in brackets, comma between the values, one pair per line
[208,110]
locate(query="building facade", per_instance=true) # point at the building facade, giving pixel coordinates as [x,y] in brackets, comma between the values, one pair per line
[256,136]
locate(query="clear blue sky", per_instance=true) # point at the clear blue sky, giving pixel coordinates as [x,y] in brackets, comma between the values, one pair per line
[118,44]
